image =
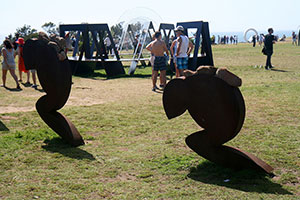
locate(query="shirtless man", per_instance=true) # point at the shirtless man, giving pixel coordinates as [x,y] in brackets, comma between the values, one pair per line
[158,48]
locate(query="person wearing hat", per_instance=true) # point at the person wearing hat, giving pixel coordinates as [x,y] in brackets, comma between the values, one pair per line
[184,48]
[21,65]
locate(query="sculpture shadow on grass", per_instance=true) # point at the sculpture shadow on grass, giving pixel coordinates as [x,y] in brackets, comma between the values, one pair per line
[3,127]
[244,180]
[58,145]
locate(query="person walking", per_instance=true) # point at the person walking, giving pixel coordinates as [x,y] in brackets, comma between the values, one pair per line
[268,42]
[184,48]
[158,48]
[8,63]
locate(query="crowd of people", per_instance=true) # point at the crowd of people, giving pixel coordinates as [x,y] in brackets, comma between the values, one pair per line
[9,51]
[180,48]
[233,39]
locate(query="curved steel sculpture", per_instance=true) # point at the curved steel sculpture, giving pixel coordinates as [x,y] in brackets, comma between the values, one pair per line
[245,33]
[55,78]
[219,108]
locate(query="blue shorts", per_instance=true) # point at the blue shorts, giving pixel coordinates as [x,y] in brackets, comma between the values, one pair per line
[159,63]
[182,63]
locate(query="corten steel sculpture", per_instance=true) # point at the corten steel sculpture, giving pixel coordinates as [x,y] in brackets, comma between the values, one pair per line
[214,101]
[55,78]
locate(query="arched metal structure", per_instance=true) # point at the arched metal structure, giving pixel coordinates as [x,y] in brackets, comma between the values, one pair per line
[245,33]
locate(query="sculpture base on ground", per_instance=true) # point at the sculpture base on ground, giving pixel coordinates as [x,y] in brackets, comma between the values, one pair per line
[114,68]
[214,101]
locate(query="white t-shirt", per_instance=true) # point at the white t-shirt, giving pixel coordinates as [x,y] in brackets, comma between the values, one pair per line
[184,47]
[107,41]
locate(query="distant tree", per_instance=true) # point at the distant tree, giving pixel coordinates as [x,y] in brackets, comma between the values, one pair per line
[50,28]
[116,30]
[26,32]
[136,28]
[10,37]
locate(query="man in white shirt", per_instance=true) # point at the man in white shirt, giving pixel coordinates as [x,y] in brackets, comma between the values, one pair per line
[184,48]
[108,46]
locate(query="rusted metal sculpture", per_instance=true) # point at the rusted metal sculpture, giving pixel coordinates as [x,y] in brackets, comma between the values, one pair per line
[54,74]
[214,101]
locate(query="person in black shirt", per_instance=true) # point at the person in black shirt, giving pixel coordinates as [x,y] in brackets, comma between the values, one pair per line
[269,41]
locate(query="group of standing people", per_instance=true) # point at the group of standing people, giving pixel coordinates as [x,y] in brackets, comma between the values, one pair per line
[225,39]
[9,52]
[180,49]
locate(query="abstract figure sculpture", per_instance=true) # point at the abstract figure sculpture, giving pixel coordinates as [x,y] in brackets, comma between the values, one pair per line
[55,78]
[214,101]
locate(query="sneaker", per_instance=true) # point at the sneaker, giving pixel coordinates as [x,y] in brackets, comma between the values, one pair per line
[20,80]
[18,87]
[34,86]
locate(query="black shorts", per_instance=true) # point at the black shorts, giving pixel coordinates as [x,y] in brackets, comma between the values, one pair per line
[160,63]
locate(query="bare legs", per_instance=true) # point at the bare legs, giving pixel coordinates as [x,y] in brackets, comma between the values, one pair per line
[181,72]
[33,77]
[4,73]
[13,74]
[162,78]
[154,79]
[20,74]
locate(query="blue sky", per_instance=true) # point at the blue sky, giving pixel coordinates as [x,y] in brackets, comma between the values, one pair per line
[223,16]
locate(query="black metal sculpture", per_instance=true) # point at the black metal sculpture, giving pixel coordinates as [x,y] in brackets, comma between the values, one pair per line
[55,78]
[203,43]
[214,101]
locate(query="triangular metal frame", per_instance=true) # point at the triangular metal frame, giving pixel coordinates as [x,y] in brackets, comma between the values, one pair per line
[202,29]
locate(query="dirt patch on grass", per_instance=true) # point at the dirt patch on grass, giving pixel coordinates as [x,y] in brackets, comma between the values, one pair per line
[85,92]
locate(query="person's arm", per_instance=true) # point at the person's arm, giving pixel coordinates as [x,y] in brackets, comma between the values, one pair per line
[166,49]
[149,46]
[172,48]
[4,57]
[191,47]
[179,45]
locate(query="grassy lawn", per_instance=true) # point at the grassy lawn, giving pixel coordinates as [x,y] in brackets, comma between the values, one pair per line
[133,151]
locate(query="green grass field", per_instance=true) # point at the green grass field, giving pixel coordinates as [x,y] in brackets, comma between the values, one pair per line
[133,151]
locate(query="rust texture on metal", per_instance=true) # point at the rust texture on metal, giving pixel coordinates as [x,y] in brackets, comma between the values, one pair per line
[56,80]
[219,109]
